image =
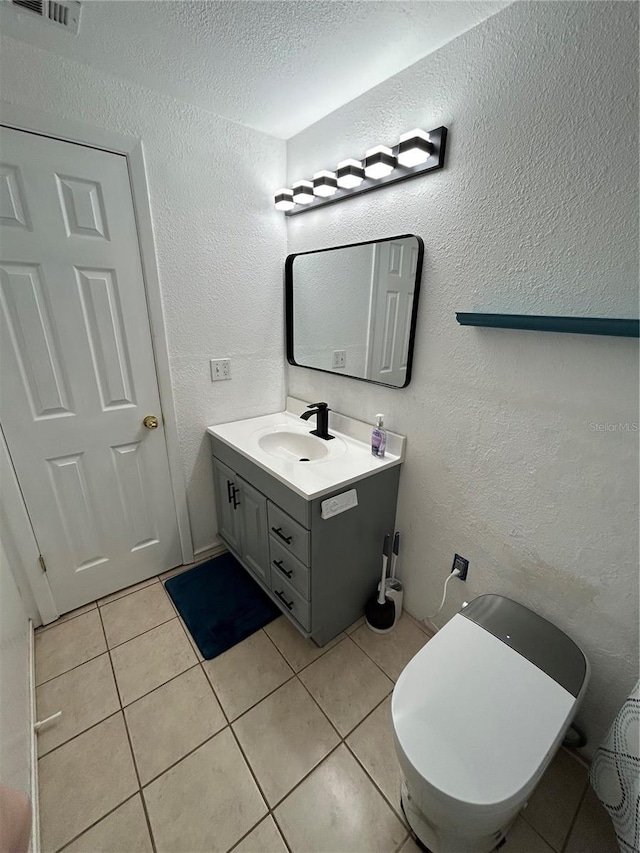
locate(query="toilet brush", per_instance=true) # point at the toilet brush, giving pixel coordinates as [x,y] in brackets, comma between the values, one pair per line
[379,612]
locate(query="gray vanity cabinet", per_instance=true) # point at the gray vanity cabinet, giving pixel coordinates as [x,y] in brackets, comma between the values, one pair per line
[319,570]
[228,519]
[242,519]
[254,539]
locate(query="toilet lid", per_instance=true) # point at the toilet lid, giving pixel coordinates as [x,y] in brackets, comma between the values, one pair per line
[474,717]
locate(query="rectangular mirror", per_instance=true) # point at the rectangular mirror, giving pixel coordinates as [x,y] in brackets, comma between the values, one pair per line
[352,309]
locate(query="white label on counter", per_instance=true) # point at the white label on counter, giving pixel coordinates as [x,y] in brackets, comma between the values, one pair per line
[339,503]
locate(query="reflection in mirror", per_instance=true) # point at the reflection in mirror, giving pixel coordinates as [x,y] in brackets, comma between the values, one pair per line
[352,309]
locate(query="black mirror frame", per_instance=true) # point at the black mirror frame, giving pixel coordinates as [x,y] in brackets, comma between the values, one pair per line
[288,289]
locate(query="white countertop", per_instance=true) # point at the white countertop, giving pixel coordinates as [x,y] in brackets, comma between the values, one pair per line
[349,456]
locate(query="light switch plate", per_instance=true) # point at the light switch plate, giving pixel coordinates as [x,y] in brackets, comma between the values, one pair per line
[220,369]
[339,358]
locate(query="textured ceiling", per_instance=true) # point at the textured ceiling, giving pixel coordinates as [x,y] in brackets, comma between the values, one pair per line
[275,66]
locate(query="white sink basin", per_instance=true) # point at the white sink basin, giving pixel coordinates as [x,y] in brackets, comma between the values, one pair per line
[279,443]
[294,446]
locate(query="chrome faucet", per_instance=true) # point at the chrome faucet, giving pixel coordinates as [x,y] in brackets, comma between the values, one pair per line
[322,421]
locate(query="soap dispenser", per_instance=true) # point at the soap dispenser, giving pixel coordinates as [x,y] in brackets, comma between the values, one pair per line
[378,437]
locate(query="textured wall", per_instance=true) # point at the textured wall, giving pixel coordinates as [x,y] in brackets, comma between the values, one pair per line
[220,243]
[535,211]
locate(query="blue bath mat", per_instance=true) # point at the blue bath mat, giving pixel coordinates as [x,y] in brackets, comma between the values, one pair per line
[220,604]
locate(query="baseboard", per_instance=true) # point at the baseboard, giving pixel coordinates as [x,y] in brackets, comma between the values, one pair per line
[209,551]
[35,800]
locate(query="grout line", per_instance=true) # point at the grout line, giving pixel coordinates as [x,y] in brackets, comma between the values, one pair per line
[324,713]
[131,750]
[95,823]
[255,778]
[326,647]
[574,820]
[158,686]
[393,680]
[182,758]
[367,715]
[403,842]
[77,734]
[141,634]
[233,734]
[281,832]
[305,777]
[523,814]
[121,593]
[66,617]
[266,696]
[71,668]
[396,811]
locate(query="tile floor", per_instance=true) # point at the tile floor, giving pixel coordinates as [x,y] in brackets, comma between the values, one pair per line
[274,746]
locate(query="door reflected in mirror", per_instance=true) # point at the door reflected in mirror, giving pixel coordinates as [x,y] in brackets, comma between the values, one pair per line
[352,309]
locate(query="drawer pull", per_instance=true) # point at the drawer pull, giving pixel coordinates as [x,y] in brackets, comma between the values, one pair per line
[278,532]
[278,565]
[236,502]
[229,487]
[286,603]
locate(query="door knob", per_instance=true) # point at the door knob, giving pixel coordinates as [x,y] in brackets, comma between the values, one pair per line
[151,422]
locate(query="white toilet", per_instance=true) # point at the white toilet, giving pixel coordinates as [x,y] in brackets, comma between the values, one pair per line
[478,714]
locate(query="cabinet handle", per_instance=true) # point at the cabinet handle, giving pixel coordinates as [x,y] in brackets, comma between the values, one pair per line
[278,532]
[236,492]
[286,603]
[229,495]
[278,564]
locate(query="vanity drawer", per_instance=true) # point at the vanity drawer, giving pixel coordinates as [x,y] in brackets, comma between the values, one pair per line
[297,606]
[288,533]
[285,565]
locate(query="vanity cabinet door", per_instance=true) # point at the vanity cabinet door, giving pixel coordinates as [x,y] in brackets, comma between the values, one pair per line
[226,485]
[254,546]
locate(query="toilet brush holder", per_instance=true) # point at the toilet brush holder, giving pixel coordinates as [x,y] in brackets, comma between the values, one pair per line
[394,591]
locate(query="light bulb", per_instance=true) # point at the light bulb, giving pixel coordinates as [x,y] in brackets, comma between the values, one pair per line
[284,199]
[414,148]
[379,162]
[350,174]
[303,192]
[324,183]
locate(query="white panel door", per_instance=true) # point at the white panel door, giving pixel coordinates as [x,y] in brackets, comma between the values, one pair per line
[77,369]
[393,283]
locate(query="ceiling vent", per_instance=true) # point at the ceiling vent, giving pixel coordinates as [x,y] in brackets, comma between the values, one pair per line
[62,13]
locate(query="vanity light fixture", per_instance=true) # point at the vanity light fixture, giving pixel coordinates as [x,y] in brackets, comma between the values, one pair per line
[414,148]
[303,192]
[284,199]
[379,162]
[324,183]
[416,153]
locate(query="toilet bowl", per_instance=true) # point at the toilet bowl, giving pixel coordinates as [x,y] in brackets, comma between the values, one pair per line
[477,715]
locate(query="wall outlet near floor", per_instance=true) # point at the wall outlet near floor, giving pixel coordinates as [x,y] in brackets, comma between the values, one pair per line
[462,565]
[339,358]
[220,369]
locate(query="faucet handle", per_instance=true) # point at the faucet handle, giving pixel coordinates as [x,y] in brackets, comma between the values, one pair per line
[318,406]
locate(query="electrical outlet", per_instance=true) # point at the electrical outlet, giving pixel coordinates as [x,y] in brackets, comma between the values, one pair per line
[339,358]
[462,565]
[220,369]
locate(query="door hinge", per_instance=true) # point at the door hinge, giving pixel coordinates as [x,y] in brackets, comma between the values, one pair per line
[43,565]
